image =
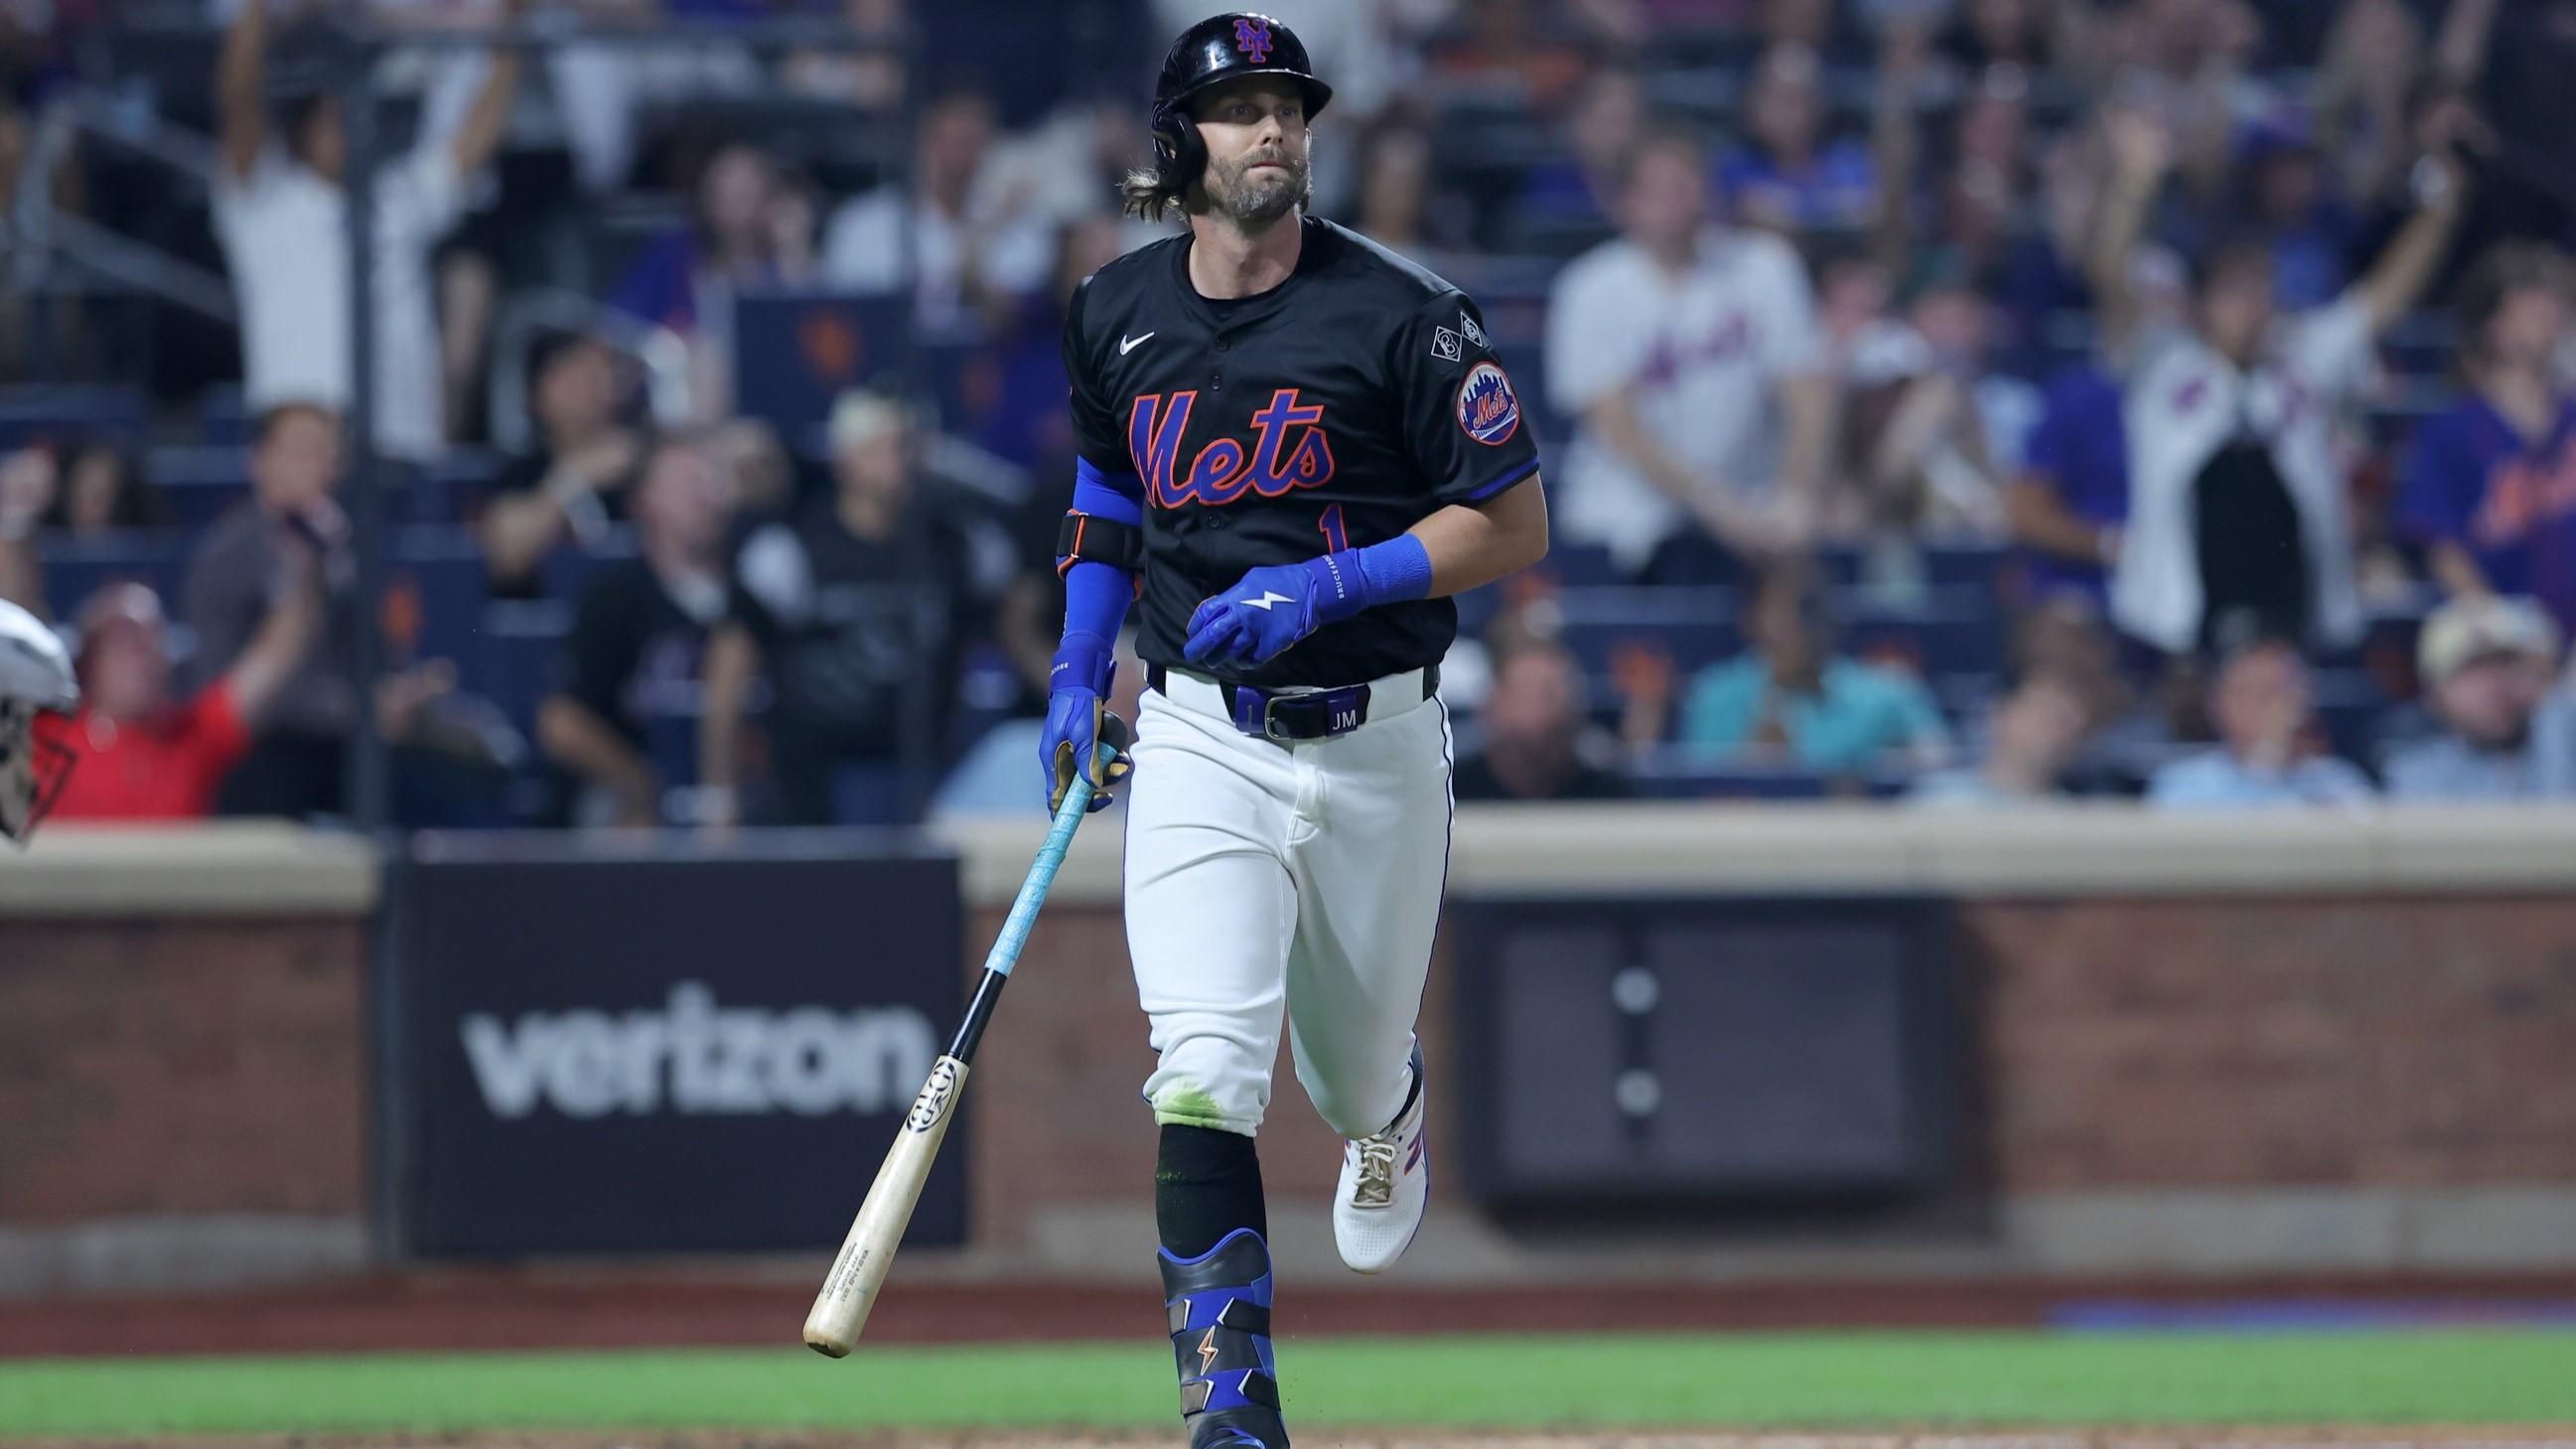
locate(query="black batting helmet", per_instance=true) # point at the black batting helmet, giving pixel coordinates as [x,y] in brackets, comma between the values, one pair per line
[1220,48]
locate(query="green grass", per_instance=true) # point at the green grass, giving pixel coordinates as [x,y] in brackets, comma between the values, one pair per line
[2523,1377]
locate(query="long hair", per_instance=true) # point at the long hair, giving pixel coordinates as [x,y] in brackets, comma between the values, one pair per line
[2502,272]
[1142,193]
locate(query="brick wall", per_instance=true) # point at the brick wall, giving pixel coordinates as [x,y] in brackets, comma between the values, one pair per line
[176,1067]
[2120,1044]
[2321,1042]
[200,1067]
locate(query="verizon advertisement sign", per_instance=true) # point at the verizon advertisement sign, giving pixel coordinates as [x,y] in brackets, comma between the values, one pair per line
[664,1054]
[692,1058]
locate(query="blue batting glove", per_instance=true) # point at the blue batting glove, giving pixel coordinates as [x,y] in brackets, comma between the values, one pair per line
[1270,609]
[1079,722]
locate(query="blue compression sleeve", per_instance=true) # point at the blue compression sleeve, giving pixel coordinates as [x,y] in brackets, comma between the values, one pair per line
[1393,571]
[1119,496]
[1096,594]
[1095,599]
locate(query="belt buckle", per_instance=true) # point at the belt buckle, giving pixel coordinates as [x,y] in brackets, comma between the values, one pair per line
[1270,719]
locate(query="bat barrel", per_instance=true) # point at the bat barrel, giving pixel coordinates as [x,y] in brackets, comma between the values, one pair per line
[850,1289]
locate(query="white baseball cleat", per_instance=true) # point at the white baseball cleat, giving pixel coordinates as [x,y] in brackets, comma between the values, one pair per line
[1386,1184]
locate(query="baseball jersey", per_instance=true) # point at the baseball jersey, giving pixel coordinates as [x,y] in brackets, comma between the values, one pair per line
[168,767]
[2474,479]
[1333,411]
[2186,405]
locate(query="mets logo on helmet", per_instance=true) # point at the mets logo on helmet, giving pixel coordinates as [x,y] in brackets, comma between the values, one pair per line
[1486,407]
[1252,37]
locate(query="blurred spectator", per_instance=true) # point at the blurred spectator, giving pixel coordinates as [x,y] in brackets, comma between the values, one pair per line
[1790,176]
[870,80]
[573,486]
[2066,507]
[2063,639]
[1395,196]
[1066,170]
[1536,745]
[2490,486]
[632,658]
[1690,360]
[26,490]
[2261,707]
[2238,496]
[294,768]
[86,490]
[2487,665]
[146,755]
[1946,431]
[2288,203]
[2506,63]
[748,227]
[2024,33]
[1791,697]
[1854,298]
[2372,63]
[281,214]
[1971,214]
[1537,52]
[103,492]
[295,469]
[2032,738]
[965,250]
[758,476]
[857,611]
[1018,407]
[1599,136]
[2195,78]
[1815,24]
[602,90]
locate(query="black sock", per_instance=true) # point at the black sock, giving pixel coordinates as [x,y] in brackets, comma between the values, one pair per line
[1207,1183]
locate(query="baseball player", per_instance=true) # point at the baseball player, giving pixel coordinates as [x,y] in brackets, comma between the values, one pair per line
[35,676]
[1295,445]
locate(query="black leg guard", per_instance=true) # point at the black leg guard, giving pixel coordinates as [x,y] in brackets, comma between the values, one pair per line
[1219,1307]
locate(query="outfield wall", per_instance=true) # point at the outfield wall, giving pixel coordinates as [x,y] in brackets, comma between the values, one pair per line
[183,1056]
[2228,1045]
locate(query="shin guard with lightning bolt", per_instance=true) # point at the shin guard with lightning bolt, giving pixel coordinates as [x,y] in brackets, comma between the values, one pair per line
[1219,1306]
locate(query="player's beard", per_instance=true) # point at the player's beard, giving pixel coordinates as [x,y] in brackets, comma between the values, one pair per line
[1254,202]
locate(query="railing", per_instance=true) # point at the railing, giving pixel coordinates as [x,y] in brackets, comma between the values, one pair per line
[54,249]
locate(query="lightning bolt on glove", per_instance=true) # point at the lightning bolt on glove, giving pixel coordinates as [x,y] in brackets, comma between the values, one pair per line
[1272,608]
[1078,722]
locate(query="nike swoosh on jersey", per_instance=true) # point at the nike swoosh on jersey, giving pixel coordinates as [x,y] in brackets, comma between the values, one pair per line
[1127,344]
[1265,601]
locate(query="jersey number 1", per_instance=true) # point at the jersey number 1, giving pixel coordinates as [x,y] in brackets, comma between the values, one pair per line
[1335,539]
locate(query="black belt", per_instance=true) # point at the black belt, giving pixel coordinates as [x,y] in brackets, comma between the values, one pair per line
[1286,715]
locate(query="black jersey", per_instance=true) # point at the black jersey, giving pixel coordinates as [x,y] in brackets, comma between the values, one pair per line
[1335,410]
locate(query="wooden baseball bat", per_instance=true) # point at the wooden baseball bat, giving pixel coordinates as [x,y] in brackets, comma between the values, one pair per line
[850,1289]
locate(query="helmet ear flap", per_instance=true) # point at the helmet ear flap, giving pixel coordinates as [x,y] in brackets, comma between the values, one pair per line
[1179,153]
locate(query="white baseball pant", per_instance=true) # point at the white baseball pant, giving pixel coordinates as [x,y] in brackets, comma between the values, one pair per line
[1302,879]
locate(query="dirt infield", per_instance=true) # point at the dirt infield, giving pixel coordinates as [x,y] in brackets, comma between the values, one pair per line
[2286,1437]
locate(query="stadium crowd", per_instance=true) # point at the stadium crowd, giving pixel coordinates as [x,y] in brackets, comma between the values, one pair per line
[1969,401]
